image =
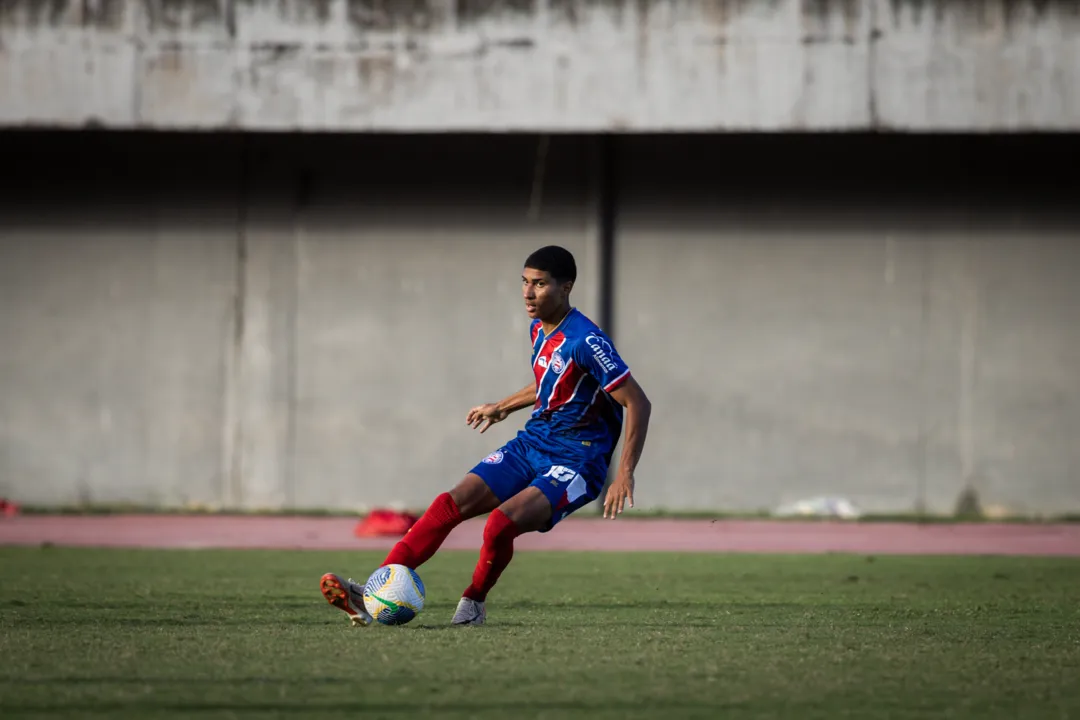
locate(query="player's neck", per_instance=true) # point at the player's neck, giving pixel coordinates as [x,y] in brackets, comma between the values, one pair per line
[556,319]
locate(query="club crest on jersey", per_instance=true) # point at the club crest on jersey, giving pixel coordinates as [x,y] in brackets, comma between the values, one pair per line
[494,458]
[557,364]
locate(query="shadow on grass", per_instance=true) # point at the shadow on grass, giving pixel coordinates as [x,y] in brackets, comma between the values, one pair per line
[648,605]
[609,613]
[398,707]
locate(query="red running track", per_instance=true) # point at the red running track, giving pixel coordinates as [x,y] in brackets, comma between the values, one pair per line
[626,533]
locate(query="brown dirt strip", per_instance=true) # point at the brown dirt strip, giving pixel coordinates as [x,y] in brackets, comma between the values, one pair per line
[626,533]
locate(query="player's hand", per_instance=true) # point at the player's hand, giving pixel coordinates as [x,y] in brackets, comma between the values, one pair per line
[620,491]
[486,415]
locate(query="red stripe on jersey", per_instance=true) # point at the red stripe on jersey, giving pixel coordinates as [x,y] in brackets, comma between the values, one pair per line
[565,386]
[548,349]
[535,331]
[614,384]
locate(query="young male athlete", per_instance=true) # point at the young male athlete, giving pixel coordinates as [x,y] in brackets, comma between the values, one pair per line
[581,392]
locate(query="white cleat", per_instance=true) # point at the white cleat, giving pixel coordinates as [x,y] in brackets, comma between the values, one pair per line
[346,596]
[469,612]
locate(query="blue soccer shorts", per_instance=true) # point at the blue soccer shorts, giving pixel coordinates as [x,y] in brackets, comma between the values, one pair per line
[569,483]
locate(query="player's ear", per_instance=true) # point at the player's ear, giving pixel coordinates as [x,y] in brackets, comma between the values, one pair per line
[568,286]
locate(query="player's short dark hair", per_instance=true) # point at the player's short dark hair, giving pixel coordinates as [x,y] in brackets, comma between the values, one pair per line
[554,260]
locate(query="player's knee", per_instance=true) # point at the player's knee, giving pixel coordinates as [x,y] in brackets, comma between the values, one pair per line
[499,527]
[460,498]
[528,511]
[473,497]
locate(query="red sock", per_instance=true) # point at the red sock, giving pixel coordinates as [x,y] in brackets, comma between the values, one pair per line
[427,534]
[495,555]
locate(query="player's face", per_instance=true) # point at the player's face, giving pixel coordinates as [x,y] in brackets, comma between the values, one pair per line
[543,296]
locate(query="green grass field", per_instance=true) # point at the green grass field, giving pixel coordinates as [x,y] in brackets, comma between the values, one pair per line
[217,634]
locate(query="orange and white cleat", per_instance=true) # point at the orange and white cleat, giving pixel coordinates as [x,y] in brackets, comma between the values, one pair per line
[346,596]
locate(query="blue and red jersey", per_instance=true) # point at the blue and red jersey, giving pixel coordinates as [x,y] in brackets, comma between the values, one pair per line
[576,366]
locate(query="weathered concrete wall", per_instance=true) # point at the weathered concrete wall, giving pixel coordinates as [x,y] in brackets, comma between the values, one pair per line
[268,324]
[541,64]
[116,283]
[889,340]
[304,321]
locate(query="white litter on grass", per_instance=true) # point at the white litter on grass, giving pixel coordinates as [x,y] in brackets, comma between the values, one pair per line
[820,507]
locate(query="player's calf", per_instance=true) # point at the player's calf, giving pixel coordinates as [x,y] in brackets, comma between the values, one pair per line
[495,555]
[527,511]
[426,536]
[469,498]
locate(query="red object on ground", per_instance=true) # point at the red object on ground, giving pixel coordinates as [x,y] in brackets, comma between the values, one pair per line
[384,522]
[8,508]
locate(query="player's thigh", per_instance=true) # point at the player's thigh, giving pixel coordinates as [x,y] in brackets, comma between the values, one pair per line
[569,485]
[494,480]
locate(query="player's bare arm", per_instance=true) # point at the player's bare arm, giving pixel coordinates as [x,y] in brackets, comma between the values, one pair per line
[491,413]
[638,409]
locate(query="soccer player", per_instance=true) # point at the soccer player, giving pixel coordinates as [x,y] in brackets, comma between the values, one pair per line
[558,463]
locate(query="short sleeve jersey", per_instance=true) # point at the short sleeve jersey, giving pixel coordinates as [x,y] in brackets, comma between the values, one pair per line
[576,367]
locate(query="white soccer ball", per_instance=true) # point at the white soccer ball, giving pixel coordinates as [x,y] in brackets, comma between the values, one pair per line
[394,595]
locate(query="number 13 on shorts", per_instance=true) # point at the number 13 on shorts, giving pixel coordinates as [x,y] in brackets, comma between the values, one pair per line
[562,474]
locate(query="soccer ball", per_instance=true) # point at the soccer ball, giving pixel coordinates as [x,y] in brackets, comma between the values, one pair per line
[394,595]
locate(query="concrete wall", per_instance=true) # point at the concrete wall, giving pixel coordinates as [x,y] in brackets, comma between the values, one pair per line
[887,340]
[283,321]
[582,65]
[261,323]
